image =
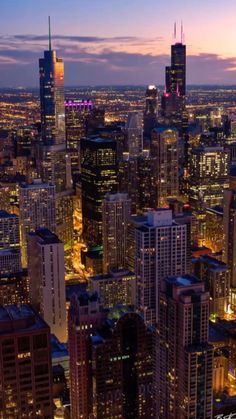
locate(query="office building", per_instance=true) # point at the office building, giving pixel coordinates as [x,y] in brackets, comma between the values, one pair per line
[229,242]
[10,256]
[51,71]
[76,114]
[98,176]
[85,314]
[164,148]
[25,364]
[214,229]
[134,134]
[122,343]
[14,287]
[151,110]
[116,211]
[208,176]
[37,209]
[47,279]
[118,287]
[185,358]
[216,277]
[161,250]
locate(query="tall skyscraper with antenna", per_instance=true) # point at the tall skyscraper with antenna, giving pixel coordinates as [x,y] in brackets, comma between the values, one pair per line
[51,71]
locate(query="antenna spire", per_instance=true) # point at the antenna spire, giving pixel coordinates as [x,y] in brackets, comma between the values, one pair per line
[182,33]
[49,33]
[175,32]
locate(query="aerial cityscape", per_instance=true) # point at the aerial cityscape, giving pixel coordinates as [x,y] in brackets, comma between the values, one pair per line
[117,229]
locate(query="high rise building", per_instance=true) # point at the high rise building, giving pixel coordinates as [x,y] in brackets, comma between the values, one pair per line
[76,113]
[161,250]
[51,71]
[173,99]
[151,109]
[37,209]
[137,177]
[229,242]
[85,314]
[164,148]
[134,134]
[111,363]
[47,279]
[99,176]
[118,287]
[185,358]
[10,256]
[208,176]
[216,277]
[116,211]
[25,364]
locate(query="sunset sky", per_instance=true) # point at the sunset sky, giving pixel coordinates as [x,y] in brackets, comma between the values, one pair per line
[117,41]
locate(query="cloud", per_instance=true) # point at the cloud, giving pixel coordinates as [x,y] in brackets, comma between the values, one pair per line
[105,60]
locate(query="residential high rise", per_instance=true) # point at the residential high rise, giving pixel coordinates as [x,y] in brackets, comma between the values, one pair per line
[111,362]
[229,242]
[99,176]
[76,113]
[184,356]
[134,134]
[85,314]
[118,287]
[25,364]
[161,250]
[116,211]
[51,71]
[47,279]
[151,108]
[208,176]
[164,148]
[37,209]
[10,256]
[216,277]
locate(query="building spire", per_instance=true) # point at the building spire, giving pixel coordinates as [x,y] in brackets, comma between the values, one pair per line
[182,33]
[175,32]
[49,33]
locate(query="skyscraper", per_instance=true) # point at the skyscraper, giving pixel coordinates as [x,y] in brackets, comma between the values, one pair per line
[229,241]
[10,256]
[151,108]
[111,360]
[184,356]
[173,99]
[164,148]
[208,176]
[47,279]
[25,364]
[161,250]
[116,211]
[134,134]
[99,176]
[51,71]
[85,314]
[37,209]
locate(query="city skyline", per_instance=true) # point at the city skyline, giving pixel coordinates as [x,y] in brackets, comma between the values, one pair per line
[98,50]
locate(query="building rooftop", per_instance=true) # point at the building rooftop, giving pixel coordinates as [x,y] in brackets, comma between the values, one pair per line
[37,183]
[183,280]
[47,236]
[112,275]
[5,214]
[19,318]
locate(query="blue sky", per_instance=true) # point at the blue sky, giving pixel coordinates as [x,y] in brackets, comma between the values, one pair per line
[117,41]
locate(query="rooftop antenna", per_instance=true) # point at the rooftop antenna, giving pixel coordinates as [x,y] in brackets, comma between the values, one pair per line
[49,33]
[182,33]
[175,32]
